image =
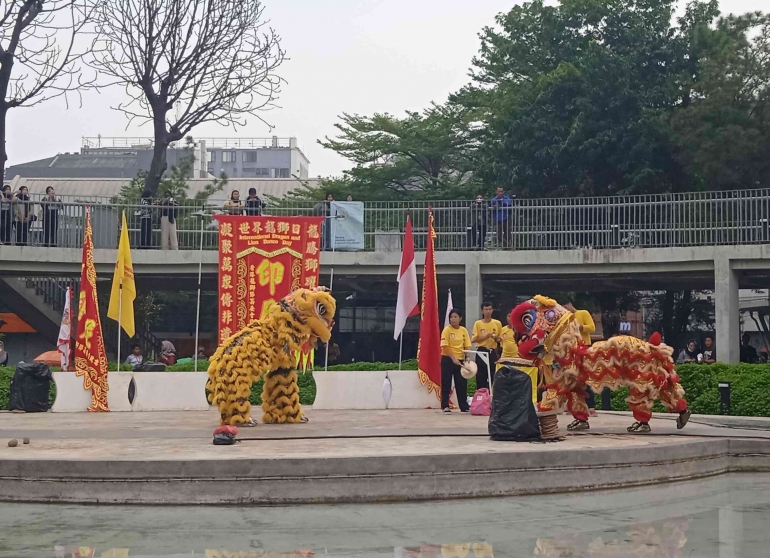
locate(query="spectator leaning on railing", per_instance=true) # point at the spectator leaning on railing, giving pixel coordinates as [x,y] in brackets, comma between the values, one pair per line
[50,214]
[254,205]
[502,204]
[234,206]
[23,209]
[6,214]
[168,239]
[145,219]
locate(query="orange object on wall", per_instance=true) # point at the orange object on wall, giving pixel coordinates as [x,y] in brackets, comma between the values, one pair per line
[14,324]
[262,260]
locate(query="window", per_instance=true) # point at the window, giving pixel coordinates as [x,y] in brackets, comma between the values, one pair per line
[228,156]
[212,156]
[283,173]
[371,319]
[263,172]
[249,156]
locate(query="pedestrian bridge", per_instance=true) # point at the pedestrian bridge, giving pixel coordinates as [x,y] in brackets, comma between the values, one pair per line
[711,240]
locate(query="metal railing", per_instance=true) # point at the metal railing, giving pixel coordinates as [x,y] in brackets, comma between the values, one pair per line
[691,219]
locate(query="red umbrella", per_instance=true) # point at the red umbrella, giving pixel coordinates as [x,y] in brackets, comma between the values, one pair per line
[51,358]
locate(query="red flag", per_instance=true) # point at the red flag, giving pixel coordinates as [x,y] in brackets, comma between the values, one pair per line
[407,303]
[90,355]
[429,348]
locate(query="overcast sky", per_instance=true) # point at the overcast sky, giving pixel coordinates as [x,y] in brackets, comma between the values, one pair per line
[356,56]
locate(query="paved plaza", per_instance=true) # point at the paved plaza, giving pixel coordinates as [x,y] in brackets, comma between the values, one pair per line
[187,435]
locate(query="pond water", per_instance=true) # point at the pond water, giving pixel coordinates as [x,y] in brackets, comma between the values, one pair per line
[722,517]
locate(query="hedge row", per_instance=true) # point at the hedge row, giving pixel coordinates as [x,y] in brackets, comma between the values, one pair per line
[750,386]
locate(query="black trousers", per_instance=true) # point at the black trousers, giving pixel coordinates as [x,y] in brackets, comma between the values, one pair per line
[50,228]
[451,371]
[482,379]
[6,221]
[22,232]
[145,238]
[477,236]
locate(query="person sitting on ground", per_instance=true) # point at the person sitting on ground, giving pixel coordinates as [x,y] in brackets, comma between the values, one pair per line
[135,357]
[454,340]
[4,357]
[254,205]
[748,353]
[709,351]
[234,206]
[689,354]
[167,353]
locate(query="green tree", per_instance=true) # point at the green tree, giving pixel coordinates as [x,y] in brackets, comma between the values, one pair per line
[424,155]
[175,181]
[722,127]
[569,98]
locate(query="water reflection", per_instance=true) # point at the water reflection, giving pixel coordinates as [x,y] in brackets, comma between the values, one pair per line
[663,539]
[725,517]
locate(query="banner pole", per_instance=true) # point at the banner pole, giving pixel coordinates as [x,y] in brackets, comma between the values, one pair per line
[198,307]
[120,317]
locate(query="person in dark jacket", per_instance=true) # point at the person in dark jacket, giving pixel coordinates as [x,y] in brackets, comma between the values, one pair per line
[145,219]
[254,205]
[24,215]
[51,206]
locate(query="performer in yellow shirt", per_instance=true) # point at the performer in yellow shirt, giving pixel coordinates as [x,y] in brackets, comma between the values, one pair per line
[511,351]
[486,333]
[454,339]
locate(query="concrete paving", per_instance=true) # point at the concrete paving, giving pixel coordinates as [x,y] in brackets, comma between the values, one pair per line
[350,456]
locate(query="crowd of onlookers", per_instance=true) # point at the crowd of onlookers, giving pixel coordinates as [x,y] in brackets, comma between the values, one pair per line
[18,212]
[694,353]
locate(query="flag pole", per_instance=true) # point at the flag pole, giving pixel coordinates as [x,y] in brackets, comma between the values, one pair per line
[400,348]
[331,285]
[120,316]
[198,307]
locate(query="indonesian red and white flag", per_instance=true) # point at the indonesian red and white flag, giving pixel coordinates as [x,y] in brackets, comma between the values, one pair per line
[449,308]
[408,303]
[65,332]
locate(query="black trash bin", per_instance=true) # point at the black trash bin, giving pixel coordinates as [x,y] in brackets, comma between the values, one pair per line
[29,387]
[513,416]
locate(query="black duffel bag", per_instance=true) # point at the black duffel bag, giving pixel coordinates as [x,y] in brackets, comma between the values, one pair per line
[29,387]
[513,416]
[150,367]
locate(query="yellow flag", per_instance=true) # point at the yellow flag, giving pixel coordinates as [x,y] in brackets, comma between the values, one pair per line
[124,271]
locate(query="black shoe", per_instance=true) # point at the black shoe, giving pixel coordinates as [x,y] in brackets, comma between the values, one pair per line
[447,411]
[465,410]
[682,419]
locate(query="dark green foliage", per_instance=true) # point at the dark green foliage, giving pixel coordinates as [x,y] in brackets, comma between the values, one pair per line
[749,386]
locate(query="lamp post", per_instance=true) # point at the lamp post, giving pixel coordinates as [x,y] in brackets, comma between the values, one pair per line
[202,215]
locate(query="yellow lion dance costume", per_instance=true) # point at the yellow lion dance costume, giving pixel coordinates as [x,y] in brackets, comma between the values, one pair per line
[560,342]
[266,348]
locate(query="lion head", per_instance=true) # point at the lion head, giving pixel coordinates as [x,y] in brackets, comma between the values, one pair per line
[314,309]
[541,317]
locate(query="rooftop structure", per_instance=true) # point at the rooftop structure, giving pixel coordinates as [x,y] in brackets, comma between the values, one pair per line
[116,157]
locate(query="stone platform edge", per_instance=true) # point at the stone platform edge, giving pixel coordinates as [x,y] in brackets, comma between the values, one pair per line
[265,481]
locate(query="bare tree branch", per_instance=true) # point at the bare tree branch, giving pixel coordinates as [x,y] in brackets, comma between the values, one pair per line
[42,45]
[212,60]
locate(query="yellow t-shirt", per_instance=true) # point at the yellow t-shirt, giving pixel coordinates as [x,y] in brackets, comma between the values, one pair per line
[508,342]
[494,326]
[456,339]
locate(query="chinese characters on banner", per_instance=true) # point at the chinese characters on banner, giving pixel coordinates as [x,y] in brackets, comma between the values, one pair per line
[261,260]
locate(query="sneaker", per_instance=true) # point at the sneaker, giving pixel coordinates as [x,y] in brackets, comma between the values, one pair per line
[465,410]
[447,411]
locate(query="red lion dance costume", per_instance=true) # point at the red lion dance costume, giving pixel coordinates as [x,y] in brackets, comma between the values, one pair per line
[560,343]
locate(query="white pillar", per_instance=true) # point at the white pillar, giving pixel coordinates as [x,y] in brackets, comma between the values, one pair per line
[473,293]
[727,311]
